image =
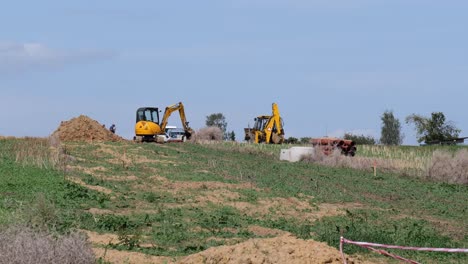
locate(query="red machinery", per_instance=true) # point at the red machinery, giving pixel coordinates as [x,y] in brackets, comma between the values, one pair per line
[348,147]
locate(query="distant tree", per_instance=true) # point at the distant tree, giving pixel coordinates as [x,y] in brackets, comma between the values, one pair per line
[360,139]
[391,129]
[305,140]
[291,140]
[218,120]
[433,129]
[232,136]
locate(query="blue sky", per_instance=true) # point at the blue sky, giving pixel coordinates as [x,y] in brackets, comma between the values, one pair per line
[333,66]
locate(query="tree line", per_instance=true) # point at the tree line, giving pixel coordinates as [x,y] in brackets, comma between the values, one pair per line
[429,130]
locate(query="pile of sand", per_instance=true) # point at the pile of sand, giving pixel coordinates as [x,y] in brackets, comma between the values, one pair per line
[282,249]
[83,128]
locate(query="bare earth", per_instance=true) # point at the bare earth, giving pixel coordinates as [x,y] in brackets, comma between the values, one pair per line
[281,249]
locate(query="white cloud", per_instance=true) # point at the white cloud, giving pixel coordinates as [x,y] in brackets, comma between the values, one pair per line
[20,57]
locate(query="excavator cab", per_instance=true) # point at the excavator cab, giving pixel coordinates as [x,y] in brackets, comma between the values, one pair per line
[147,124]
[260,122]
[148,114]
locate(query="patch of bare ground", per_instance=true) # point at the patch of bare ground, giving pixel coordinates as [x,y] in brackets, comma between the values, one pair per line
[207,185]
[143,159]
[91,171]
[216,196]
[291,207]
[120,178]
[101,239]
[177,186]
[98,211]
[282,249]
[224,193]
[128,257]
[91,187]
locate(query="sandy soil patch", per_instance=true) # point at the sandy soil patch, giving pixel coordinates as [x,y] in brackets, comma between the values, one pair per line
[101,239]
[98,211]
[282,249]
[180,186]
[127,257]
[291,207]
[92,171]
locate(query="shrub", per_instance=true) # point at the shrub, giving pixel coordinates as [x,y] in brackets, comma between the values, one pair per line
[23,245]
[211,133]
[448,167]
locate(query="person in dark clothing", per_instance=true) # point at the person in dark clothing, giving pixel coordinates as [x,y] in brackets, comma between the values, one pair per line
[112,128]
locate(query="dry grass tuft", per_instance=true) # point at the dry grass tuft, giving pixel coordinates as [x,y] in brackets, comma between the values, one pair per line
[208,134]
[448,167]
[335,159]
[444,166]
[40,152]
[23,245]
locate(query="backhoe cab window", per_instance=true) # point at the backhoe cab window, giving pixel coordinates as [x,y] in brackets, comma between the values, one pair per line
[148,115]
[260,123]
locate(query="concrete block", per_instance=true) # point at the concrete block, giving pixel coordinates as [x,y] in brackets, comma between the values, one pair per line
[295,153]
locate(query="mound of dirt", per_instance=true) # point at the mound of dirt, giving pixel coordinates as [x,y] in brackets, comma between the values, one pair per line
[83,128]
[282,249]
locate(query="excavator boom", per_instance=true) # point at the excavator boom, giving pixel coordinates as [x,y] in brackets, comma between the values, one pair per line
[167,113]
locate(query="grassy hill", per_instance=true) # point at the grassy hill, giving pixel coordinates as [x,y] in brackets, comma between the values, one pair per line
[178,199]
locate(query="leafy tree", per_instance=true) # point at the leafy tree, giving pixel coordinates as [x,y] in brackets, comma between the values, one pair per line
[433,129]
[304,140]
[291,140]
[391,129]
[218,120]
[232,136]
[360,139]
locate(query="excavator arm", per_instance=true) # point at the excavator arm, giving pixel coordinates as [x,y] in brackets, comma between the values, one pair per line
[167,113]
[274,128]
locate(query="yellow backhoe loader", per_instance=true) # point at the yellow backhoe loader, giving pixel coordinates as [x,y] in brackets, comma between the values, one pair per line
[267,129]
[148,127]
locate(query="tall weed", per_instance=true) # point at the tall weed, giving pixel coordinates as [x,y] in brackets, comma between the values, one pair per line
[449,167]
[40,152]
[23,245]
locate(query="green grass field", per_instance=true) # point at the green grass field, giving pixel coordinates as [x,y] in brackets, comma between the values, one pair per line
[178,199]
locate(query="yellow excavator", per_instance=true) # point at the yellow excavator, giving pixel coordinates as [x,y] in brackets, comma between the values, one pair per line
[267,129]
[148,128]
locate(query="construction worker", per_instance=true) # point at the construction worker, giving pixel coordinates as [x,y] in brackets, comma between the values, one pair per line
[112,128]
